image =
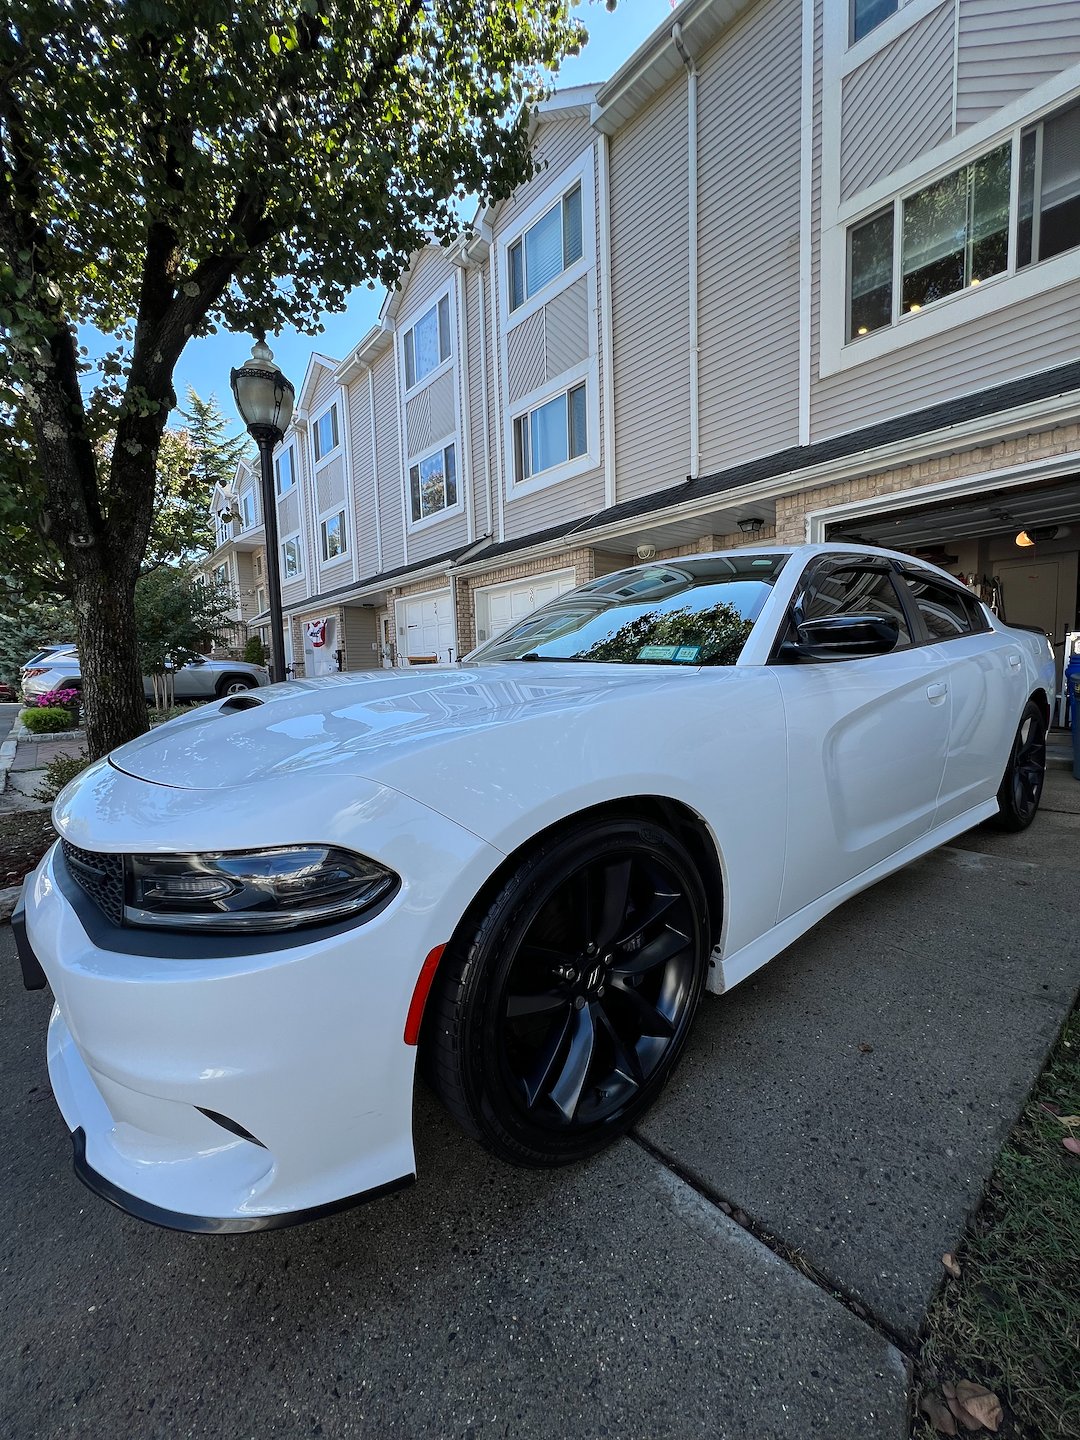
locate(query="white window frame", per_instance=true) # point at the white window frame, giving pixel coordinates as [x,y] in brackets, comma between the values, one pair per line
[580,172]
[585,372]
[521,420]
[286,578]
[224,531]
[558,203]
[220,578]
[409,325]
[332,513]
[248,521]
[835,352]
[260,599]
[321,458]
[448,510]
[290,450]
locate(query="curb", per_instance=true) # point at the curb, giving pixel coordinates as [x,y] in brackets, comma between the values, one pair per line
[25,736]
[7,755]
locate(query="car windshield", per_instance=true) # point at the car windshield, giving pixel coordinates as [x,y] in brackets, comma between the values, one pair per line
[690,612]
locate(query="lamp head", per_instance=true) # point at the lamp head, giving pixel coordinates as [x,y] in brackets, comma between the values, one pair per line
[263,396]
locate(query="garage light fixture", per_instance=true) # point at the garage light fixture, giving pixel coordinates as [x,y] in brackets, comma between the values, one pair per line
[1039,536]
[751,525]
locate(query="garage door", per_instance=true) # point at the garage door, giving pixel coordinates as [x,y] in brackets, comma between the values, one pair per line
[499,606]
[429,628]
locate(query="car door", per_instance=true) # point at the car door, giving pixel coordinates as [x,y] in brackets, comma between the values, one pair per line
[867,737]
[984,671]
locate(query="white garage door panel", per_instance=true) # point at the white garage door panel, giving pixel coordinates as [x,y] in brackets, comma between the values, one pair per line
[500,606]
[429,626]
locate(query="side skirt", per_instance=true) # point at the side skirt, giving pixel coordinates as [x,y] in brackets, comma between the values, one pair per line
[729,970]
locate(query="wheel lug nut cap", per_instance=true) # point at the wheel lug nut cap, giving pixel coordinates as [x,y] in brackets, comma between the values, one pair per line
[579,1002]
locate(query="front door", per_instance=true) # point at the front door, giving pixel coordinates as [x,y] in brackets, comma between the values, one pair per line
[867,740]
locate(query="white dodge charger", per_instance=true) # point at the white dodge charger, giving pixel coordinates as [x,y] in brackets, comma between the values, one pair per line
[524,869]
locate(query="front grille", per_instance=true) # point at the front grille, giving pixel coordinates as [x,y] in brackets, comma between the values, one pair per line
[101,876]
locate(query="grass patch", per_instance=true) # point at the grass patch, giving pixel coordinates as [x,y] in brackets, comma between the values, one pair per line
[1011,1322]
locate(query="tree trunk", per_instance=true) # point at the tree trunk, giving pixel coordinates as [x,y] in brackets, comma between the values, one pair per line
[113,701]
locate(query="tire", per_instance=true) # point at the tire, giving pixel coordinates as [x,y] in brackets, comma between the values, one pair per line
[546,1035]
[233,685]
[1021,786]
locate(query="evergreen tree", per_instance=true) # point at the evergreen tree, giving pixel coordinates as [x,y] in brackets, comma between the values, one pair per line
[217,453]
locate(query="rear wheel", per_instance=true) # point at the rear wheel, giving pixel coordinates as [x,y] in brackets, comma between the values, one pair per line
[234,684]
[559,1015]
[1022,784]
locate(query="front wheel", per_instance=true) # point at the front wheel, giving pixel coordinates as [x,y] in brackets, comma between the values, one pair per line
[1022,784]
[559,1015]
[234,685]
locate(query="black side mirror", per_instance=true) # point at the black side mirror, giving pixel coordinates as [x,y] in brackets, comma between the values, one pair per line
[841,637]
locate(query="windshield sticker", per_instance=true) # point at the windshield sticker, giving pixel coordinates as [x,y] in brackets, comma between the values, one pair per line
[681,653]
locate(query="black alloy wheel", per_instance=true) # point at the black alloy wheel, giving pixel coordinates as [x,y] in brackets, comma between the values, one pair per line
[1022,785]
[559,1016]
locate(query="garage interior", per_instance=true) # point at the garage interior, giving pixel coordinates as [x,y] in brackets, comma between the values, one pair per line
[1017,547]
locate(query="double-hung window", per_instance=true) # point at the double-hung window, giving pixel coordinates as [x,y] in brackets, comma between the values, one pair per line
[292,559]
[284,470]
[1049,219]
[427,343]
[326,433]
[548,247]
[433,483]
[334,539]
[247,509]
[551,434]
[221,575]
[224,530]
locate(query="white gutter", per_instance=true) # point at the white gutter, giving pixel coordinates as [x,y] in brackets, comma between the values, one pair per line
[375,469]
[499,485]
[484,403]
[608,398]
[691,241]
[464,408]
[403,459]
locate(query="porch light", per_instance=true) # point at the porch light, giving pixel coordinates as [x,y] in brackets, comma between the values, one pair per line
[751,525]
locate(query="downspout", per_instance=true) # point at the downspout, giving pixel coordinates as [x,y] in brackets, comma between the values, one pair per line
[606,347]
[375,467]
[692,238]
[460,264]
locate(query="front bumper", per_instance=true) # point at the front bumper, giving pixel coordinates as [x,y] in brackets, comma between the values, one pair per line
[299,1048]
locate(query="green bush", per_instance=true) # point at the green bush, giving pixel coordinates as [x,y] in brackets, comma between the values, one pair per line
[255,651]
[46,719]
[58,772]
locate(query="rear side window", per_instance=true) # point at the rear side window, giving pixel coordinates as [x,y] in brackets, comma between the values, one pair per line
[946,612]
[855,591]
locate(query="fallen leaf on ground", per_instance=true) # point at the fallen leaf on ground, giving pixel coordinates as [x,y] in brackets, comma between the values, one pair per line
[967,1420]
[937,1412]
[951,1265]
[1071,1144]
[1049,1108]
[1069,1120]
[865,1049]
[982,1404]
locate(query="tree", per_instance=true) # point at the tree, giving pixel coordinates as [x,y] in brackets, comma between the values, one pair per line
[166,168]
[178,616]
[217,453]
[714,636]
[25,629]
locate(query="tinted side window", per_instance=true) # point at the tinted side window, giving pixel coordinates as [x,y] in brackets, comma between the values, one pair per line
[853,591]
[946,612]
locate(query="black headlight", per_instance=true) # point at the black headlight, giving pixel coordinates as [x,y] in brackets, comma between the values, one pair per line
[276,889]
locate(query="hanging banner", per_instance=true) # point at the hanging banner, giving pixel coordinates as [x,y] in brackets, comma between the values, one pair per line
[320,645]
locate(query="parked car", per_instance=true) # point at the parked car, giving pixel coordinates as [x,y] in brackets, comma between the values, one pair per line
[198,680]
[39,662]
[529,865]
[7,693]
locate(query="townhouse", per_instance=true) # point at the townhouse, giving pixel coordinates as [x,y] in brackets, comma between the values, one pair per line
[796,271]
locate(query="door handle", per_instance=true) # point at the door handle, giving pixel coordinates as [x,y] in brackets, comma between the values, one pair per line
[934,693]
[1014,661]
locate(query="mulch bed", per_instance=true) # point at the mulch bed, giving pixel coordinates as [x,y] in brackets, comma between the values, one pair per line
[24,838]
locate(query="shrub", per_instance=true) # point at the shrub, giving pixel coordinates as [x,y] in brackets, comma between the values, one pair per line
[255,651]
[58,772]
[46,720]
[67,699]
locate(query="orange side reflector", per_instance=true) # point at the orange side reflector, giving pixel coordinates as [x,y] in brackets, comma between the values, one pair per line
[420,994]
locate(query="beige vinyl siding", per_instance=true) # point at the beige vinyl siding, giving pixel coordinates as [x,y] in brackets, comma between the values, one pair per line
[389,460]
[571,499]
[291,519]
[330,494]
[358,638]
[475,359]
[326,389]
[748,238]
[899,104]
[1009,46]
[649,303]
[1014,341]
[431,414]
[556,144]
[245,585]
[430,272]
[363,499]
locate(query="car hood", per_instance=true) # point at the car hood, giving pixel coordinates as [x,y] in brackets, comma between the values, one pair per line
[361,725]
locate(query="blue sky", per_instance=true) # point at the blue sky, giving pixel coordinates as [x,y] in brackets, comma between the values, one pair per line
[205,363]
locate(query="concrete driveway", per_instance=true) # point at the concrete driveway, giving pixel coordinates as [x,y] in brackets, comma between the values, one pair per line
[847,1103]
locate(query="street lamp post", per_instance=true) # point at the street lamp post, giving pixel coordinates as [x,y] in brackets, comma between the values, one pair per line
[264,399]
